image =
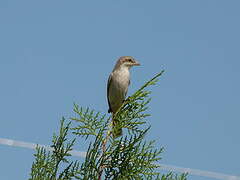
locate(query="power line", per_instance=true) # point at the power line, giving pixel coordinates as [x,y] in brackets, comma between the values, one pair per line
[198,172]
[82,154]
[11,142]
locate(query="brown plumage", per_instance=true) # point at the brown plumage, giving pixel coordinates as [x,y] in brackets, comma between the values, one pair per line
[117,87]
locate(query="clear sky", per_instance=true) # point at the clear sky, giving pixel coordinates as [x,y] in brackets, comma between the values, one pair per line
[54,53]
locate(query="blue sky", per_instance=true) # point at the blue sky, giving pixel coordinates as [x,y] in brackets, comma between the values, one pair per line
[54,53]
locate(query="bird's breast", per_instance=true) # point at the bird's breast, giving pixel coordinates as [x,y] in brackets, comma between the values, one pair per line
[121,80]
[118,88]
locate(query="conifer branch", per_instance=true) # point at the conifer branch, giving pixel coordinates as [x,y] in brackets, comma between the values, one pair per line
[127,157]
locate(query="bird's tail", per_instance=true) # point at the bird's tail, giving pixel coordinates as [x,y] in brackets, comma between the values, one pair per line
[116,130]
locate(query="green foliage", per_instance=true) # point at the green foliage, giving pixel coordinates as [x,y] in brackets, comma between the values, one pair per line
[89,122]
[132,114]
[131,158]
[47,163]
[171,176]
[127,157]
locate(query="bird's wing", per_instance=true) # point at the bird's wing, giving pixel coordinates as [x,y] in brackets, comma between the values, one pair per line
[108,86]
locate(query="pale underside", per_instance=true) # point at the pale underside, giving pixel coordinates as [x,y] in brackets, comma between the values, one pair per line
[118,83]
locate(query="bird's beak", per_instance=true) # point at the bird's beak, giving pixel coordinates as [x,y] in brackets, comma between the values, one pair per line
[136,63]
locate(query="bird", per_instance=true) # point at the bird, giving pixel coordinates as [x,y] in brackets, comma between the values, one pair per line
[117,88]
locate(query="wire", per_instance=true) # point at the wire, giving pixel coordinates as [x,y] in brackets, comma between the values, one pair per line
[82,154]
[11,142]
[198,172]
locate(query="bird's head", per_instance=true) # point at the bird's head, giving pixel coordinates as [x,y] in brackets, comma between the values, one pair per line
[127,61]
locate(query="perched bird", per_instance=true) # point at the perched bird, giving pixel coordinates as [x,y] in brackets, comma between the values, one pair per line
[117,87]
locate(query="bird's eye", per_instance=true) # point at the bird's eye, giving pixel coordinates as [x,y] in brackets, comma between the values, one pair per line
[129,60]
